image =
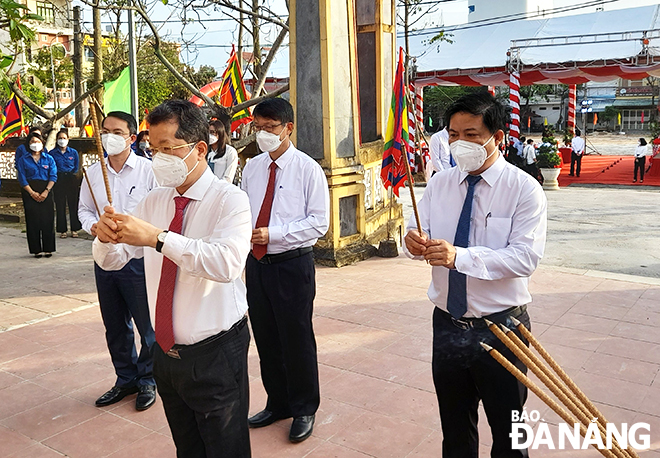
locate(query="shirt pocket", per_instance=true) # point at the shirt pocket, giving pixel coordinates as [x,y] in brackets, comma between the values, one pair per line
[135,195]
[287,202]
[497,232]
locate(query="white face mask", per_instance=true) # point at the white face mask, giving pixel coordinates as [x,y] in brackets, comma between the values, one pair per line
[62,142]
[113,144]
[213,139]
[470,156]
[268,142]
[171,171]
[36,146]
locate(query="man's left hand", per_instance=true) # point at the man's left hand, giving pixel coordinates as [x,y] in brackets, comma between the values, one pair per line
[136,232]
[260,236]
[440,253]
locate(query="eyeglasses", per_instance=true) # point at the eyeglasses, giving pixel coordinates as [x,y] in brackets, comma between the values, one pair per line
[168,149]
[268,128]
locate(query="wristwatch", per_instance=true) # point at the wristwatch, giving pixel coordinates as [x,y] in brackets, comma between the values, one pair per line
[161,240]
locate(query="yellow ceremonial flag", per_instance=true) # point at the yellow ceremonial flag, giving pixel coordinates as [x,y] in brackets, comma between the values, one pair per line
[619,118]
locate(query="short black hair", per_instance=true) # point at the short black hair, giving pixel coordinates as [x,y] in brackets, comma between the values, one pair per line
[64,131]
[492,112]
[530,141]
[642,141]
[191,120]
[522,139]
[276,108]
[141,135]
[130,120]
[577,132]
[32,135]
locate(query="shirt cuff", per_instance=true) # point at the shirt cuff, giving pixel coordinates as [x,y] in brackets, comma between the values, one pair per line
[275,234]
[100,250]
[462,260]
[174,246]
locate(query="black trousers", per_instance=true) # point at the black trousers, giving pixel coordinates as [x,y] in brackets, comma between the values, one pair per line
[66,190]
[123,300]
[576,163]
[206,396]
[640,163]
[39,219]
[464,374]
[281,300]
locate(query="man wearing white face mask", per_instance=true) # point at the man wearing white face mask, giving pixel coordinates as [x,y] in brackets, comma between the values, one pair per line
[483,231]
[121,289]
[196,296]
[289,198]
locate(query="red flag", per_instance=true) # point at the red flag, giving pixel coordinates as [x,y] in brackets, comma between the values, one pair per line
[642,116]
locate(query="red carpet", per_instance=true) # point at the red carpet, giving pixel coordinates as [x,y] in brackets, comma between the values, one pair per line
[607,170]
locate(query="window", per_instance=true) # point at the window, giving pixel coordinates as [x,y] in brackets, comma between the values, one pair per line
[543,108]
[46,11]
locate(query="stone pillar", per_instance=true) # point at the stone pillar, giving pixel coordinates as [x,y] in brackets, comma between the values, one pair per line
[342,64]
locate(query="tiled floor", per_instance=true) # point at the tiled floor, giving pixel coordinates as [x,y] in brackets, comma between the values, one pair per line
[373,327]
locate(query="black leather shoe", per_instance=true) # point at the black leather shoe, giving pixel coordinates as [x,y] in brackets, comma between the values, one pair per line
[115,394]
[146,397]
[301,428]
[264,418]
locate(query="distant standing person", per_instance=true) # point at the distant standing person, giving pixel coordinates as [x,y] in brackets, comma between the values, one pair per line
[142,145]
[290,205]
[37,174]
[23,148]
[67,186]
[577,145]
[640,159]
[529,155]
[222,157]
[439,149]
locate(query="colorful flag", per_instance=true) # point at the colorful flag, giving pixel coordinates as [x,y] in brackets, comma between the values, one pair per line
[117,93]
[89,130]
[393,170]
[11,121]
[233,91]
[595,118]
[144,125]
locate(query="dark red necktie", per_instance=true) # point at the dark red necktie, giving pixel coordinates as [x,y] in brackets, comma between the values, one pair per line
[164,328]
[258,251]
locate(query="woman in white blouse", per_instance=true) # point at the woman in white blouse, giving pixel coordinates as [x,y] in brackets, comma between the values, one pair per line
[640,160]
[222,157]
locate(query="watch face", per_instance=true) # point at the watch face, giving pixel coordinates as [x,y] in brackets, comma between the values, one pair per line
[161,237]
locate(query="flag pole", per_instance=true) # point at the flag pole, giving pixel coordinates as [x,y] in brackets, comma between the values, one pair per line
[412,192]
[99,150]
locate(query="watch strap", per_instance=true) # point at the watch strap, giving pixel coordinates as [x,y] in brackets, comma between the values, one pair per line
[159,244]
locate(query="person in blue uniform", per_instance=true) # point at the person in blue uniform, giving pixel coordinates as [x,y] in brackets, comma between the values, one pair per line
[23,147]
[37,174]
[67,186]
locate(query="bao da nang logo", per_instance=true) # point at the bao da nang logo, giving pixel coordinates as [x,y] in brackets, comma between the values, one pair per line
[524,435]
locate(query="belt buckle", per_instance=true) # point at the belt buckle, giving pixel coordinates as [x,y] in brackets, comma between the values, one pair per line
[173,353]
[464,325]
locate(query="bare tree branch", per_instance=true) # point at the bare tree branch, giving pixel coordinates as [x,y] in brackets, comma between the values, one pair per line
[236,108]
[269,59]
[227,4]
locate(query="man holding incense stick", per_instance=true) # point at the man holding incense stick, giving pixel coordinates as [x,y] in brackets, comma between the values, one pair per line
[122,291]
[483,231]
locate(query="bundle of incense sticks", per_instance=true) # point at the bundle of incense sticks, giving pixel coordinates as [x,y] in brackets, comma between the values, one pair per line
[582,410]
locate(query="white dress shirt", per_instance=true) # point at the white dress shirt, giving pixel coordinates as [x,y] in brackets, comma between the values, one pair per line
[209,296]
[301,202]
[641,150]
[129,186]
[578,145]
[529,153]
[224,167]
[439,148]
[507,235]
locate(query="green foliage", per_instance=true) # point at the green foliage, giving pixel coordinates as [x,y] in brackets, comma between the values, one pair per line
[62,64]
[13,19]
[438,98]
[440,37]
[37,96]
[567,137]
[548,154]
[610,113]
[654,128]
[203,76]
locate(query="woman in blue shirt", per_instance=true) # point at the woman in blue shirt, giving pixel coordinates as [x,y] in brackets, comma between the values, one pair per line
[67,187]
[37,174]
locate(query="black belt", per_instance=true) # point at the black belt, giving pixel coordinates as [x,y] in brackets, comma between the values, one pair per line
[203,346]
[499,317]
[280,257]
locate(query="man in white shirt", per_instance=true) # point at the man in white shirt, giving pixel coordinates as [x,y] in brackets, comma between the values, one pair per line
[289,199]
[529,155]
[122,291]
[193,272]
[483,231]
[577,145]
[439,148]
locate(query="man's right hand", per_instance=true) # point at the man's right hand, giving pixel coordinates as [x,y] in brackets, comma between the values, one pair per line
[416,242]
[106,228]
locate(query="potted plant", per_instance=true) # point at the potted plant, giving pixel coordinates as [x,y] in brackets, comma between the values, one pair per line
[549,162]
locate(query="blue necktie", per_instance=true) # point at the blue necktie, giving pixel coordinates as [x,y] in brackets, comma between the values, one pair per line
[457,296]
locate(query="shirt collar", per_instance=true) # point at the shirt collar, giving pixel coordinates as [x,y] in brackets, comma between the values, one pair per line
[286,157]
[491,174]
[199,187]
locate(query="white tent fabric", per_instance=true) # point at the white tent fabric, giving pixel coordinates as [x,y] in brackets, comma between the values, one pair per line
[484,48]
